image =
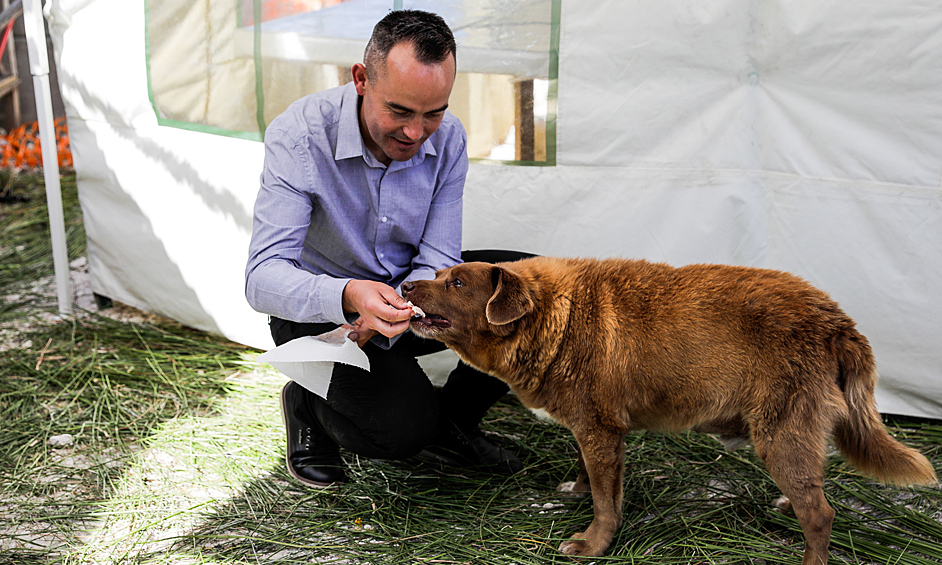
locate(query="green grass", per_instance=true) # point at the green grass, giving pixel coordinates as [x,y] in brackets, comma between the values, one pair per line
[25,245]
[178,459]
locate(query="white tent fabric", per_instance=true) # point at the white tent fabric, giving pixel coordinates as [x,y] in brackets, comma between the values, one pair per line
[799,135]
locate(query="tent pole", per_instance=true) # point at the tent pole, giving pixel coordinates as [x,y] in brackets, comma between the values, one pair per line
[39,68]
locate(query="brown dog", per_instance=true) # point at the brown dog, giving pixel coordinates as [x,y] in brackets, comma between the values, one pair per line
[609,346]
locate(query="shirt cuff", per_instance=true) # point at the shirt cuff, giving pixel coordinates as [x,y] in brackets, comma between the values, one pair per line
[330,297]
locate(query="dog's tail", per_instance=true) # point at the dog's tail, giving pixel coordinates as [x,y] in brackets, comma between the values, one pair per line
[861,436]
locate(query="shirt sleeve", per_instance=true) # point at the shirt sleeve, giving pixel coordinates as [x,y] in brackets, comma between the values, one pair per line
[275,283]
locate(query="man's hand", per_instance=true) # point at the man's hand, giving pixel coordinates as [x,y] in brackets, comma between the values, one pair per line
[359,334]
[381,310]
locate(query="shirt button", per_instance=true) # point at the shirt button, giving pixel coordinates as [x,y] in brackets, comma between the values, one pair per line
[385,219]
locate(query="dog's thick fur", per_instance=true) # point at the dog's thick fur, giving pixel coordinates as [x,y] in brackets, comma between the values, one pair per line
[610,346]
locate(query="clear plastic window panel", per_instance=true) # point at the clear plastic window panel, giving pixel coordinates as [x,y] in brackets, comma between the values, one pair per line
[229,67]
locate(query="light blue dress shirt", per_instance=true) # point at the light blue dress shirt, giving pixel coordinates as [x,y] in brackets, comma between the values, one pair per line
[328,211]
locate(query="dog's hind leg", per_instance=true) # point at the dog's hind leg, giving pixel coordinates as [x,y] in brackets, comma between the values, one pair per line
[603,454]
[581,486]
[796,465]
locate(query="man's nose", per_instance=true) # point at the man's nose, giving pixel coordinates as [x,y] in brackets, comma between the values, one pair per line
[413,129]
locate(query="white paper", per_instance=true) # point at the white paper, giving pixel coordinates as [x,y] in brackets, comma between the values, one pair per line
[309,361]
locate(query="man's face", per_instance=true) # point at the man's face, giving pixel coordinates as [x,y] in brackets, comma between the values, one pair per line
[404,103]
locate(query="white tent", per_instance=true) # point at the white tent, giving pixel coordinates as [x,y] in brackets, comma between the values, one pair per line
[799,135]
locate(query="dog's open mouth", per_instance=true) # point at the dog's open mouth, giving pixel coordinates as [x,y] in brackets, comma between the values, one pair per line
[419,317]
[432,321]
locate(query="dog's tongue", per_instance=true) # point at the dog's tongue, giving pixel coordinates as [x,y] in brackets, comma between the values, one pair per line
[433,320]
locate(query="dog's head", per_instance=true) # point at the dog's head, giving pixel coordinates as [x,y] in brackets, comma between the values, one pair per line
[469,301]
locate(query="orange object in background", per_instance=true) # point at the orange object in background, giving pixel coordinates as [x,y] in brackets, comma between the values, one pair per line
[20,149]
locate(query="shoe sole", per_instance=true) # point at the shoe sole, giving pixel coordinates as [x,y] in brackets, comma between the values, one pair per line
[433,458]
[291,471]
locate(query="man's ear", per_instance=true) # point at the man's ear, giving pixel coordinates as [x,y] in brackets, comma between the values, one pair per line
[511,299]
[358,71]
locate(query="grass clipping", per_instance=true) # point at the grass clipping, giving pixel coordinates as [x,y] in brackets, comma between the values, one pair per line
[152,443]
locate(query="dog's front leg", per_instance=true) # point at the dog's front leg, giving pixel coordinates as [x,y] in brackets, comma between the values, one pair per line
[581,486]
[603,456]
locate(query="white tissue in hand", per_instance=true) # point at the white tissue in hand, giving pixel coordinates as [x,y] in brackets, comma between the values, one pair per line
[416,310]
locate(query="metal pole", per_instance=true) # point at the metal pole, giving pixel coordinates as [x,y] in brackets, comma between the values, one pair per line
[39,68]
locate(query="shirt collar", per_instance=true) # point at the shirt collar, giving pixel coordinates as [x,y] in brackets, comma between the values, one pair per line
[350,142]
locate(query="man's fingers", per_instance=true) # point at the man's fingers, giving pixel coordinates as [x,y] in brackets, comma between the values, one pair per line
[361,338]
[390,328]
[381,310]
[398,304]
[398,301]
[365,328]
[373,298]
[396,316]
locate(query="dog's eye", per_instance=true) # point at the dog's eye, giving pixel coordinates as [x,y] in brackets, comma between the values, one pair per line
[456,283]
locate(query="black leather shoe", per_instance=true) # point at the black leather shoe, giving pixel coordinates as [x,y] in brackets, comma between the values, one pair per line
[312,457]
[470,448]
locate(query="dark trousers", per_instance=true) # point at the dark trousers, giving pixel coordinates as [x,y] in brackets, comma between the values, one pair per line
[393,411]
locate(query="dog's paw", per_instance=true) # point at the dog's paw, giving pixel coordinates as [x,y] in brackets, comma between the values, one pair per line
[578,545]
[574,488]
[782,504]
[574,546]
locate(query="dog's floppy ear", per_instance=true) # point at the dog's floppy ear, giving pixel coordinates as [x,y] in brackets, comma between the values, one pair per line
[511,299]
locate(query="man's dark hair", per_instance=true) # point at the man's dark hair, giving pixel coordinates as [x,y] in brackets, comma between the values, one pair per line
[429,35]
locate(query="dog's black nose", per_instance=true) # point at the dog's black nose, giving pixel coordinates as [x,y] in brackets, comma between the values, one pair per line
[407,287]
